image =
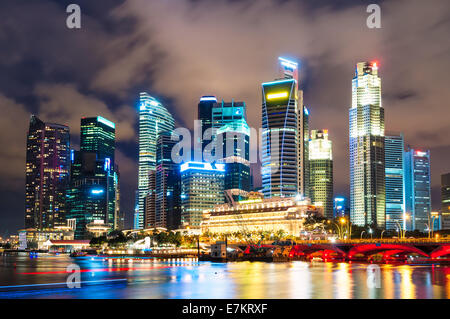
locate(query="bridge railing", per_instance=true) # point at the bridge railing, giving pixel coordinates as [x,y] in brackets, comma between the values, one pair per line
[374,241]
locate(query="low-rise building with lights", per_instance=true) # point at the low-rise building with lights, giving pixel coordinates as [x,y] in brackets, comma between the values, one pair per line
[257,214]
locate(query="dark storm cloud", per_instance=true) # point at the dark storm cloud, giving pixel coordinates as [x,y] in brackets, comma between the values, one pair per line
[180,50]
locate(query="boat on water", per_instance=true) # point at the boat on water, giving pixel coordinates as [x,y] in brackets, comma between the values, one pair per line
[78,254]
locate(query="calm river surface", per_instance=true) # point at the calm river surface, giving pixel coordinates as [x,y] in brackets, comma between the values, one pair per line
[45,277]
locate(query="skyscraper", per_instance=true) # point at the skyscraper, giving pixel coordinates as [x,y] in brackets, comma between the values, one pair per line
[233,134]
[202,187]
[91,196]
[445,200]
[153,119]
[205,107]
[367,169]
[280,140]
[47,174]
[168,192]
[321,171]
[395,206]
[417,189]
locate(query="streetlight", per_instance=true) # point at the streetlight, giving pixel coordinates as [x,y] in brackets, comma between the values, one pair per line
[382,234]
[362,233]
[370,232]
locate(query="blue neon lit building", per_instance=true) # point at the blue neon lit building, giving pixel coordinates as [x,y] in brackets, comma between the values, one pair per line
[202,187]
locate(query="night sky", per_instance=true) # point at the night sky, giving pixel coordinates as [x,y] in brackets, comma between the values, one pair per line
[179,50]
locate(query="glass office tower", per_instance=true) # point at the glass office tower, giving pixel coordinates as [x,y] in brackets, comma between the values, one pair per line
[92,196]
[154,118]
[367,168]
[202,187]
[47,174]
[417,189]
[204,115]
[395,206]
[321,171]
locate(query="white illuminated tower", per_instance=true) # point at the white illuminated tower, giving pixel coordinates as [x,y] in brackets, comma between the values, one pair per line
[367,162]
[153,119]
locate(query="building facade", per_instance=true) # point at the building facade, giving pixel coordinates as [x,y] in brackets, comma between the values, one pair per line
[395,205]
[47,174]
[154,118]
[417,181]
[367,167]
[321,171]
[202,187]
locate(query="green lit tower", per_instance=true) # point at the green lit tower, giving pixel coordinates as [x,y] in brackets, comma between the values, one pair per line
[321,171]
[92,196]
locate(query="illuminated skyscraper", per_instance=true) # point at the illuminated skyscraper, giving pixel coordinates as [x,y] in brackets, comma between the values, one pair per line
[202,187]
[367,169]
[395,205]
[231,129]
[417,189]
[280,140]
[153,119]
[445,200]
[92,196]
[47,174]
[321,171]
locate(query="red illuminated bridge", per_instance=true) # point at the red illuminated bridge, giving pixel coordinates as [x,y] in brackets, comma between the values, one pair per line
[367,250]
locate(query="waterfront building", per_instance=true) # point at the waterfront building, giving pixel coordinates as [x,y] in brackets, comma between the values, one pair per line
[47,174]
[154,118]
[202,187]
[257,214]
[367,168]
[417,179]
[395,206]
[168,184]
[321,171]
[341,208]
[445,200]
[94,182]
[280,140]
[32,238]
[232,135]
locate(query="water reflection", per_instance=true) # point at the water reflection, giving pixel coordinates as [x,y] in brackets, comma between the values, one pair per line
[187,278]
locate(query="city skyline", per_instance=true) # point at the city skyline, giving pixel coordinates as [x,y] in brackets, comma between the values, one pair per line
[55,102]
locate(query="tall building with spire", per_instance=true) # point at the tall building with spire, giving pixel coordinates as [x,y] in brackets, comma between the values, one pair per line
[280,141]
[154,118]
[321,171]
[47,174]
[367,155]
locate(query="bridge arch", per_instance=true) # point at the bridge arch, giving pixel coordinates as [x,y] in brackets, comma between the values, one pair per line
[390,249]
